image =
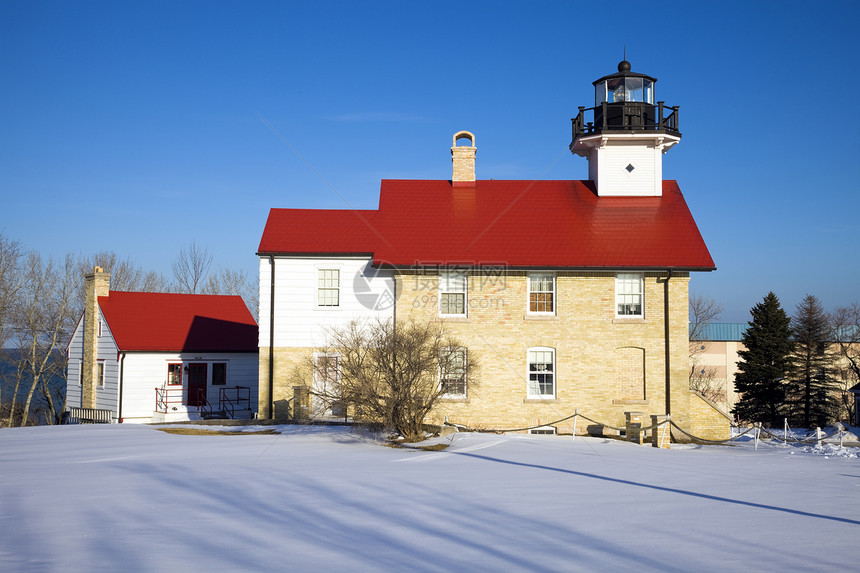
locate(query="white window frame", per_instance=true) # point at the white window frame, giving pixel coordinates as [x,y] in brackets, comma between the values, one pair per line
[453,283]
[533,390]
[322,286]
[552,292]
[455,395]
[80,372]
[100,373]
[626,296]
[327,355]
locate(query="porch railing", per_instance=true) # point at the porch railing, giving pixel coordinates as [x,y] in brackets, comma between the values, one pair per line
[166,398]
[229,400]
[235,398]
[203,405]
[89,416]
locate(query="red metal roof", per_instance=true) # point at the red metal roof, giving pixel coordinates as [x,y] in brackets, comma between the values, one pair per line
[546,224]
[168,322]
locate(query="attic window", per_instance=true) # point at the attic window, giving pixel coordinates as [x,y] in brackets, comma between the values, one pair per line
[629,168]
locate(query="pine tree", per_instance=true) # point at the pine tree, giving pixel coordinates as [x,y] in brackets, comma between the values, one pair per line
[765,364]
[810,397]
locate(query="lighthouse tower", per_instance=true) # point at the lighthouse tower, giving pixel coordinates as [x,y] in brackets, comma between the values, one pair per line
[627,135]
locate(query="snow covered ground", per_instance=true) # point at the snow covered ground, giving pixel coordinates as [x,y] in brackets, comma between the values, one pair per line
[132,498]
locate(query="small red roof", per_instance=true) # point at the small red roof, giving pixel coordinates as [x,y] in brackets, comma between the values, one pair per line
[544,224]
[168,322]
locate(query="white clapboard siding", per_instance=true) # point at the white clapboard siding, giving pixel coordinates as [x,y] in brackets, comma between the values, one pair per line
[612,177]
[107,395]
[143,372]
[365,293]
[74,367]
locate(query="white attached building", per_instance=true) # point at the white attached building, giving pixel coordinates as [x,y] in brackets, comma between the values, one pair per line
[151,357]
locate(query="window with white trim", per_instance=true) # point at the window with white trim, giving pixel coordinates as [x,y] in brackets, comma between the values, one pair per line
[327,368]
[452,373]
[452,293]
[629,295]
[541,372]
[328,287]
[542,293]
[80,372]
[327,374]
[100,373]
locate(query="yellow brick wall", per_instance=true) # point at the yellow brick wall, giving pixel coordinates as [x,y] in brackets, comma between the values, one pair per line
[708,421]
[291,367]
[585,334]
[463,159]
[97,284]
[584,331]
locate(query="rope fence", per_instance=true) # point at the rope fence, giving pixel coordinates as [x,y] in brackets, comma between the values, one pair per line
[792,440]
[759,431]
[840,430]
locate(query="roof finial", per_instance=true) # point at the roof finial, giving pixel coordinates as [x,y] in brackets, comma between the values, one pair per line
[624,65]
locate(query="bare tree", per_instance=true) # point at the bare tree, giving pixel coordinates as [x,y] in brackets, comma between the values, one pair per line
[392,375]
[845,322]
[125,276]
[191,267]
[10,284]
[230,282]
[703,378]
[43,321]
[703,311]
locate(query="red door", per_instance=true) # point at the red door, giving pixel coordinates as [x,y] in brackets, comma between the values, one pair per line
[196,384]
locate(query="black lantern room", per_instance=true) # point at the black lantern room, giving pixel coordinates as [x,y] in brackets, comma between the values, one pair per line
[624,87]
[625,102]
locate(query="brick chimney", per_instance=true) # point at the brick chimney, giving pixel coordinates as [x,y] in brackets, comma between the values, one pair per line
[97,284]
[463,157]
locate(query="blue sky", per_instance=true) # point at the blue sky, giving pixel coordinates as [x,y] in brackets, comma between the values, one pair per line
[141,126]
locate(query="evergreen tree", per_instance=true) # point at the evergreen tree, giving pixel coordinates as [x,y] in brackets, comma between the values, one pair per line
[810,399]
[765,364]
